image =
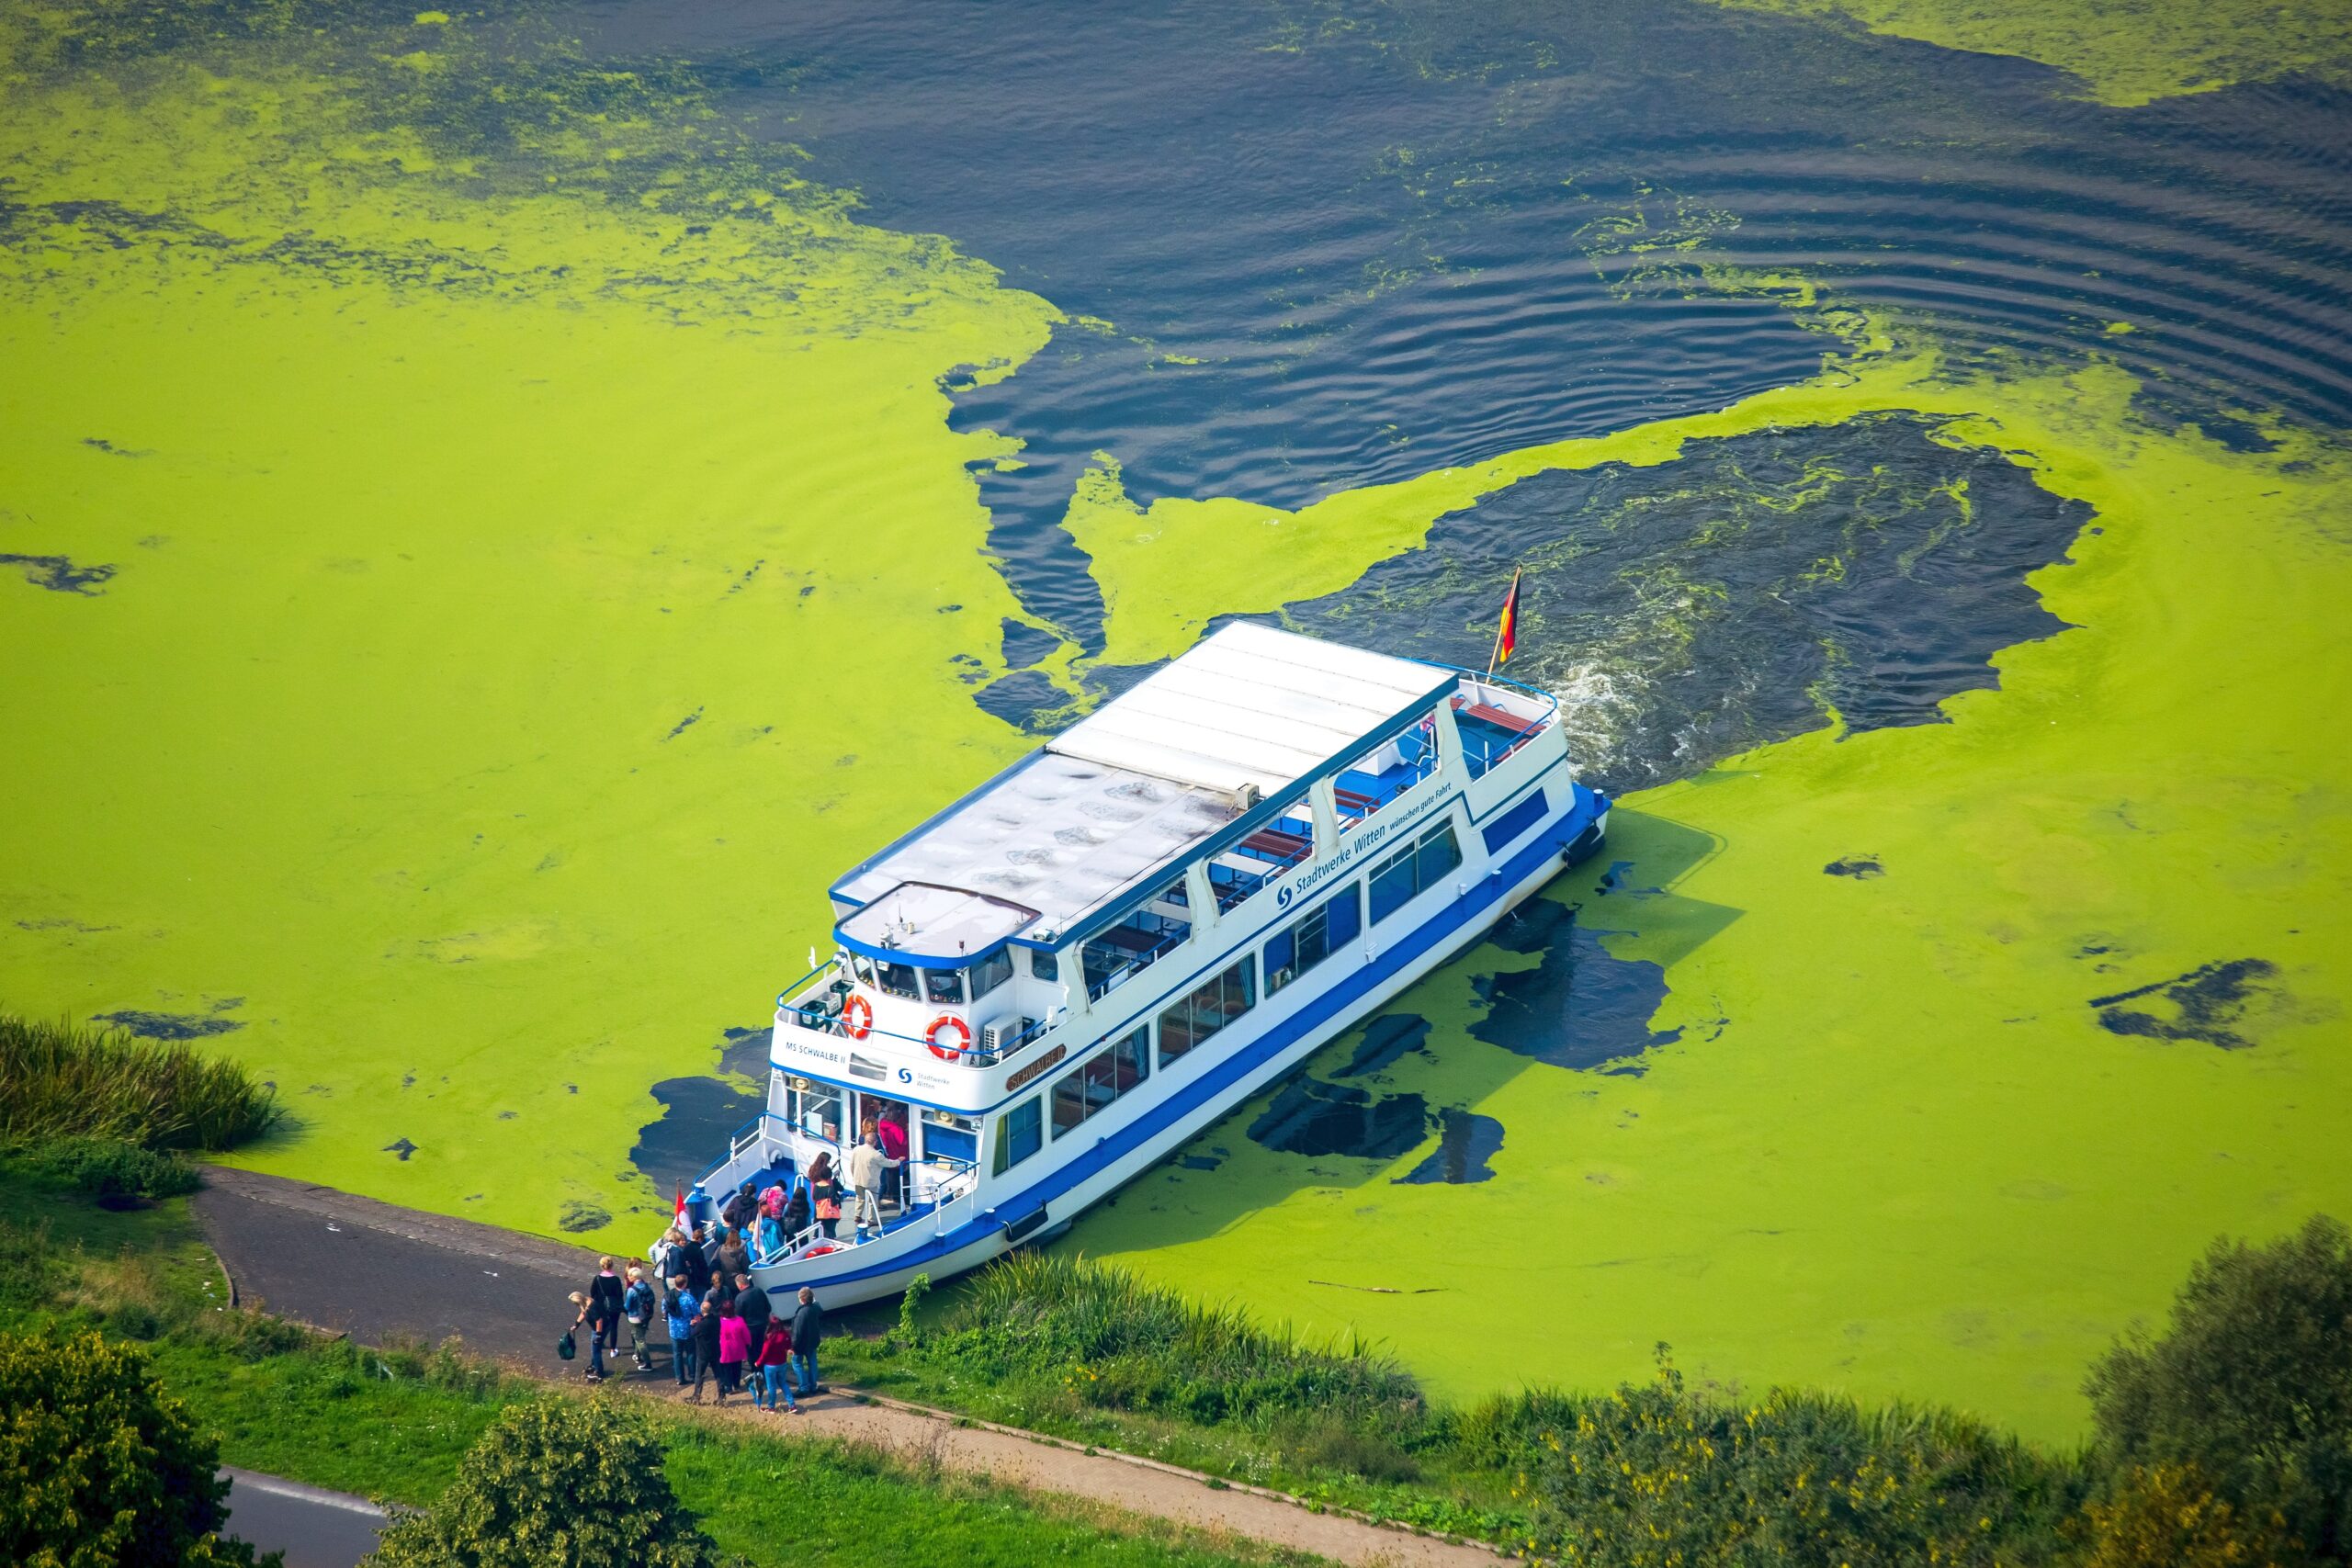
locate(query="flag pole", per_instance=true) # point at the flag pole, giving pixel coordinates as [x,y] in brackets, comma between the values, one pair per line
[1494,654]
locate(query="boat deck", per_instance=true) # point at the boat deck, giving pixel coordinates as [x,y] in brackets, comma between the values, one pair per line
[893,1216]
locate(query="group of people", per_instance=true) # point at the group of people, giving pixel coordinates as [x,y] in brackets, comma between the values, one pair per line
[723,1329]
[873,1174]
[721,1325]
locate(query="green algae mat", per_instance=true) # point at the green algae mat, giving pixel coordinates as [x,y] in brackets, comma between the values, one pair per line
[480,546]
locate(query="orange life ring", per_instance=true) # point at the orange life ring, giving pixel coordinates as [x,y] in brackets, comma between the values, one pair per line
[858,1016]
[963,1038]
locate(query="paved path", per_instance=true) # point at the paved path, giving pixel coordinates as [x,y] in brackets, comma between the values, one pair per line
[369,1270]
[315,1529]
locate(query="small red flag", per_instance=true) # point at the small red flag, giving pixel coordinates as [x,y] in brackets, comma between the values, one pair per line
[680,1213]
[1506,634]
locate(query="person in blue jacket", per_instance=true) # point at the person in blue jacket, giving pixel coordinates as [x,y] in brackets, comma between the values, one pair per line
[682,1307]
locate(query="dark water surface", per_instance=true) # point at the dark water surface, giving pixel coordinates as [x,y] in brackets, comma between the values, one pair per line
[1403,237]
[1308,248]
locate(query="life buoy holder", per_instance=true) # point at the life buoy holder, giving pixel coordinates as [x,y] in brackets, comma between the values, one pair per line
[858,1018]
[945,1023]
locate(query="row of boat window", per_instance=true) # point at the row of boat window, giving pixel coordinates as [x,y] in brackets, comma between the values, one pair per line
[943,988]
[1191,1020]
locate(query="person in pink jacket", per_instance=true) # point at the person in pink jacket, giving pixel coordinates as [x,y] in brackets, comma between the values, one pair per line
[735,1347]
[892,1131]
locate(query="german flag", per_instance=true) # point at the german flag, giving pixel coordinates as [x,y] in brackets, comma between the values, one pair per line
[1507,634]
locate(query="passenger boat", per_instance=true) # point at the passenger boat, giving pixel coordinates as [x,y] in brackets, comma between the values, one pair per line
[1056,981]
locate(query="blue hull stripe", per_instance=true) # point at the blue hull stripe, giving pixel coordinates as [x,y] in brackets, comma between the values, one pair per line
[1221,1079]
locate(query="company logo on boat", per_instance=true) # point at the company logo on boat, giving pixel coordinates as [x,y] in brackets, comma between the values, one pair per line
[1365,839]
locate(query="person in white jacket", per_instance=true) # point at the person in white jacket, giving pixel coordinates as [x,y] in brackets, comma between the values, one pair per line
[867,1170]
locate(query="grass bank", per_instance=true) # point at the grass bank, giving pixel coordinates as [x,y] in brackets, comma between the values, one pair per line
[393,1423]
[1666,1472]
[63,1080]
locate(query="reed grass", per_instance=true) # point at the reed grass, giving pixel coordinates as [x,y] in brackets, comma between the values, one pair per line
[63,1079]
[1143,1346]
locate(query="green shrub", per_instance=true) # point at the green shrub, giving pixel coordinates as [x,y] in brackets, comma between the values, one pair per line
[110,1167]
[910,1309]
[1337,1444]
[555,1481]
[63,1080]
[1505,1433]
[2251,1385]
[97,1468]
[1120,1343]
[1648,1477]
[2168,1518]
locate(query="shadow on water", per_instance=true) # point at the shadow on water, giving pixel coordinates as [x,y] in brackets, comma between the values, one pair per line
[1466,1142]
[1400,1080]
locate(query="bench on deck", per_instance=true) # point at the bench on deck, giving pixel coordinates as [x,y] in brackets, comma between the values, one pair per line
[1277,845]
[1511,723]
[1131,940]
[1361,804]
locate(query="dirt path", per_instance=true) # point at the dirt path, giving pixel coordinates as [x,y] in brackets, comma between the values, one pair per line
[369,1270]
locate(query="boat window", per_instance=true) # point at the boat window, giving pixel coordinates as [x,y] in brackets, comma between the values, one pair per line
[1194,1019]
[814,1109]
[897,979]
[992,972]
[945,986]
[1108,1074]
[863,968]
[1437,854]
[1313,938]
[1414,869]
[946,1136]
[1019,1133]
[1045,965]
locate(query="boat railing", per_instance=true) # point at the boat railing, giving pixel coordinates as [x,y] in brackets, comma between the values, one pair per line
[951,1181]
[791,1245]
[950,1177]
[1100,983]
[821,1022]
[753,1133]
[1483,762]
[1356,809]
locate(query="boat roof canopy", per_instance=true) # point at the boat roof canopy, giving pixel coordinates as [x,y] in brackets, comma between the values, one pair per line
[915,922]
[1126,794]
[1252,708]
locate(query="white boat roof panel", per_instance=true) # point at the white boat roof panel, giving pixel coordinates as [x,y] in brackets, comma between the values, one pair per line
[1254,706]
[1056,837]
[920,919]
[1128,791]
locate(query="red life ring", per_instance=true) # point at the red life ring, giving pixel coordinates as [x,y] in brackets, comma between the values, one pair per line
[963,1038]
[858,1016]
